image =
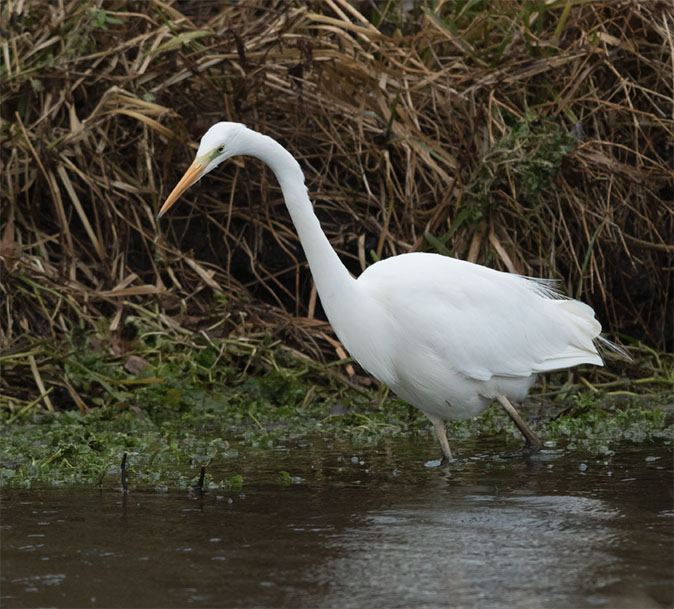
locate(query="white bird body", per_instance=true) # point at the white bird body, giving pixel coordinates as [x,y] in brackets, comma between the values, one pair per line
[445,335]
[450,336]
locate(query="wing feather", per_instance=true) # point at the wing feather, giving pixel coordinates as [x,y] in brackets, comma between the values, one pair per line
[479,321]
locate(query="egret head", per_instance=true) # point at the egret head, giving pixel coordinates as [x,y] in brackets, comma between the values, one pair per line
[221,142]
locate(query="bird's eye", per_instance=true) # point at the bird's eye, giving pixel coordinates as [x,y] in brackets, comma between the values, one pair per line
[221,149]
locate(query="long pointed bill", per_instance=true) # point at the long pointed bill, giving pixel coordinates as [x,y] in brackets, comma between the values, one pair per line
[192,174]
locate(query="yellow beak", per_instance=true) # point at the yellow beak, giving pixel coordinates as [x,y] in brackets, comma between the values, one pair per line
[192,174]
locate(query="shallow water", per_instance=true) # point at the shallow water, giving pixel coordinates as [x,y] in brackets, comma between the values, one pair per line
[356,528]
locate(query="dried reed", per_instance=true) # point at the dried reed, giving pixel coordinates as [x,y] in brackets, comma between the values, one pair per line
[533,137]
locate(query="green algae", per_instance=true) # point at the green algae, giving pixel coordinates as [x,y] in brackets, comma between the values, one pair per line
[186,407]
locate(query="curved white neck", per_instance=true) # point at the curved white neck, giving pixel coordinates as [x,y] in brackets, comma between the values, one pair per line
[332,279]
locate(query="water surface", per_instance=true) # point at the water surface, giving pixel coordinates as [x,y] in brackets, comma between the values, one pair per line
[356,528]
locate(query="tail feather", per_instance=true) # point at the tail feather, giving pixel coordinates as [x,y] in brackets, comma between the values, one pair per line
[587,339]
[605,344]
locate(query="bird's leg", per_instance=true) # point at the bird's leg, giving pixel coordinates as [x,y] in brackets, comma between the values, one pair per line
[441,433]
[531,442]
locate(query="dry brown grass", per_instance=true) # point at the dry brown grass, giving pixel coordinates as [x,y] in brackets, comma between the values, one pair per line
[533,140]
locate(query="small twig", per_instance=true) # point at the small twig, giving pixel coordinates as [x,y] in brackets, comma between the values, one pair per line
[589,385]
[125,481]
[38,380]
[252,416]
[199,486]
[29,406]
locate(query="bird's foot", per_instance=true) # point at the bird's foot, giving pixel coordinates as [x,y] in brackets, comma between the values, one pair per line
[529,448]
[443,461]
[434,463]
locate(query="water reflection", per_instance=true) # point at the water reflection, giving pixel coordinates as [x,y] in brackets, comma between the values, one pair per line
[379,530]
[520,551]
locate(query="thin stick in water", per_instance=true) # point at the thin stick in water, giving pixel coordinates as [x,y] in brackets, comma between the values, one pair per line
[125,481]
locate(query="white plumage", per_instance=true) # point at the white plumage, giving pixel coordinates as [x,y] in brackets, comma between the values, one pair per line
[447,336]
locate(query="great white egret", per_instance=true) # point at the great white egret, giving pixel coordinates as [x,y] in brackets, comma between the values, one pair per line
[446,335]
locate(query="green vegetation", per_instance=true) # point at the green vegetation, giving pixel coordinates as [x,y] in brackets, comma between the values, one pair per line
[525,159]
[174,407]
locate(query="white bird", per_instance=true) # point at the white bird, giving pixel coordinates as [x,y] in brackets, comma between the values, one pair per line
[447,336]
